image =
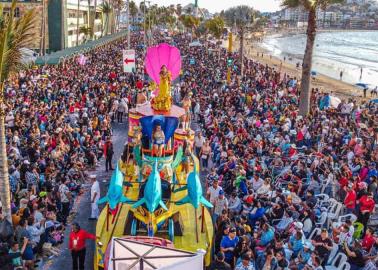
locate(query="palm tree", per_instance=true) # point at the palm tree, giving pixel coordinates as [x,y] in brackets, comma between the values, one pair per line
[106,9]
[179,9]
[14,35]
[310,6]
[216,27]
[77,22]
[242,17]
[133,11]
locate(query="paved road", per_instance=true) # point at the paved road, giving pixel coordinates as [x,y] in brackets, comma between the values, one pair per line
[64,260]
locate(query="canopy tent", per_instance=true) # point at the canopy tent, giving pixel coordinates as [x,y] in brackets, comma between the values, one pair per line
[126,254]
[195,44]
[55,57]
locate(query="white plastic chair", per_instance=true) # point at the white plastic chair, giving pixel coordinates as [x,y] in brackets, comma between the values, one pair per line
[344,218]
[322,198]
[314,233]
[334,250]
[334,212]
[337,261]
[322,220]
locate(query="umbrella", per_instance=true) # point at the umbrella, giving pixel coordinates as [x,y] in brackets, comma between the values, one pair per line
[362,85]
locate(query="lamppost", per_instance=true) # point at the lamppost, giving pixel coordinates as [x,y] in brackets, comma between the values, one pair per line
[128,23]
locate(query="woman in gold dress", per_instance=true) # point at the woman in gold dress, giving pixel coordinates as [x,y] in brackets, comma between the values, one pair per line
[163,101]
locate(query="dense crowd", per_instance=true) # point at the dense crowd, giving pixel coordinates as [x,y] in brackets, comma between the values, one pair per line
[289,192]
[58,126]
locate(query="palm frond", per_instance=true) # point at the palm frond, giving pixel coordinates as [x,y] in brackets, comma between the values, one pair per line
[21,36]
[4,36]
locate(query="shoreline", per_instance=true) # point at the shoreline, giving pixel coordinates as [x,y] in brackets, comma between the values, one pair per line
[324,83]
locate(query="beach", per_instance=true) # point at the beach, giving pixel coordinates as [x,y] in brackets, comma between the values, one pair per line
[324,83]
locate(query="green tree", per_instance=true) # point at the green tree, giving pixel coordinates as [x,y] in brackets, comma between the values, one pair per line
[310,6]
[14,35]
[133,10]
[215,26]
[242,17]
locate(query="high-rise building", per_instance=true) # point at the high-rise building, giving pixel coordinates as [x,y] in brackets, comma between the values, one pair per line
[59,24]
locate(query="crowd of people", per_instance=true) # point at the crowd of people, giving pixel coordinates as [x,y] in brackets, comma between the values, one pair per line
[58,126]
[281,184]
[278,181]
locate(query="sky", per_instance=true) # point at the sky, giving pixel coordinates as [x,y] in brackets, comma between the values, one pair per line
[218,5]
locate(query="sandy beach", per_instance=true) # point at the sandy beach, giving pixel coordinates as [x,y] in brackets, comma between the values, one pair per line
[326,84]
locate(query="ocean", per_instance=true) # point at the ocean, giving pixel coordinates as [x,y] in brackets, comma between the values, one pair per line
[334,52]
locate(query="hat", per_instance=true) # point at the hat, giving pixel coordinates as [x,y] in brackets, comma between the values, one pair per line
[42,194]
[298,225]
[26,162]
[362,185]
[307,244]
[221,192]
[232,230]
[33,197]
[373,164]
[23,203]
[92,176]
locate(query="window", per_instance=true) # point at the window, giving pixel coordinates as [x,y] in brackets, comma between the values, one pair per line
[17,12]
[6,11]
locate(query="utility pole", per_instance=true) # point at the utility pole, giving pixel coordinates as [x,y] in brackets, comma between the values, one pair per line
[77,22]
[144,21]
[128,23]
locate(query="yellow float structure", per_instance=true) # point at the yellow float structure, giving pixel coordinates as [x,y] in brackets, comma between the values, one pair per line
[155,191]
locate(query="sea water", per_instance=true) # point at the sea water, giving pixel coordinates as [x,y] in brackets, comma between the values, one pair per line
[346,51]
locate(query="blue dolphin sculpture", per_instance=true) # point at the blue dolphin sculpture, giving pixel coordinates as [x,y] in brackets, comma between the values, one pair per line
[194,187]
[152,192]
[115,191]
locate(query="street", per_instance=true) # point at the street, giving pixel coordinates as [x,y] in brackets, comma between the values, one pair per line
[81,216]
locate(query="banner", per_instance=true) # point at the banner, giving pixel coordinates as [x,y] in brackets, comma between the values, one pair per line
[128,60]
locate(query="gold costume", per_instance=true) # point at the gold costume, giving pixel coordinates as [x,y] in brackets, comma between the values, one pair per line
[163,101]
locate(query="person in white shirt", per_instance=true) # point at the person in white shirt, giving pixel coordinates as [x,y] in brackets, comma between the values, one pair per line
[213,191]
[95,196]
[198,142]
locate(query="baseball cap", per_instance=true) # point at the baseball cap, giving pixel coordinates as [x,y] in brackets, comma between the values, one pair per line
[33,197]
[298,225]
[221,192]
[232,230]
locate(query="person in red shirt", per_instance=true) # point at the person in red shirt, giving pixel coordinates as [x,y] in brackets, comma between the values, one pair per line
[77,246]
[367,205]
[369,240]
[350,199]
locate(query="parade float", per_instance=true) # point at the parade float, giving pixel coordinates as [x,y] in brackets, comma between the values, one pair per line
[155,195]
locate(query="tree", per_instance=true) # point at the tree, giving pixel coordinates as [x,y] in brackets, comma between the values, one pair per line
[216,27]
[106,10]
[310,6]
[14,35]
[133,10]
[179,9]
[241,17]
